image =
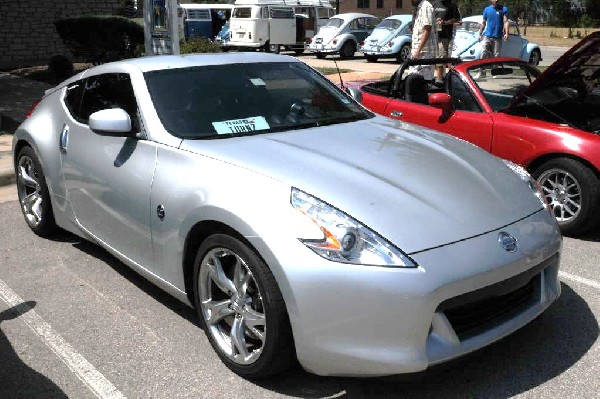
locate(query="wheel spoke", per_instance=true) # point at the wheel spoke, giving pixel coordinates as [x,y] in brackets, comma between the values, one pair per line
[36,207]
[237,338]
[215,269]
[252,320]
[241,277]
[218,310]
[26,179]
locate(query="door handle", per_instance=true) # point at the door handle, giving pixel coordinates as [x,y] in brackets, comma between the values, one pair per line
[396,114]
[64,139]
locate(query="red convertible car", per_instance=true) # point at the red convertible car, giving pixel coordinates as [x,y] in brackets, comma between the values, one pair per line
[547,122]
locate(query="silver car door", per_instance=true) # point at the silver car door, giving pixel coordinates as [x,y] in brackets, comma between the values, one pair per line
[108,179]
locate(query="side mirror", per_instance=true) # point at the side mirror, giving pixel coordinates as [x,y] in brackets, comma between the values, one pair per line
[111,122]
[442,101]
[355,93]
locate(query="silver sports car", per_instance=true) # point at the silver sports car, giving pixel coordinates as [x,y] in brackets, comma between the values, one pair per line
[296,222]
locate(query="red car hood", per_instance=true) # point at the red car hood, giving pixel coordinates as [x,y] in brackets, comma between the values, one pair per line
[581,61]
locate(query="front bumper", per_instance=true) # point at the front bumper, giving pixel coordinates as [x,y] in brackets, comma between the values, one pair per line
[351,320]
[324,48]
[378,51]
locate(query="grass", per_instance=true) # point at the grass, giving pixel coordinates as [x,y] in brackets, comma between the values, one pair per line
[331,70]
[553,36]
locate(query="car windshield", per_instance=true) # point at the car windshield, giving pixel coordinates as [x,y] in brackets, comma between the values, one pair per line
[471,26]
[217,101]
[334,22]
[501,82]
[389,24]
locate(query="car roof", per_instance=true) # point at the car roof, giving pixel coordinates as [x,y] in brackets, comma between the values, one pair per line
[152,63]
[352,15]
[401,17]
[479,19]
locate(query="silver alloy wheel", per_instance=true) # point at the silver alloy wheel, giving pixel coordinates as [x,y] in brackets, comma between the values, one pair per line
[232,306]
[562,192]
[30,191]
[404,52]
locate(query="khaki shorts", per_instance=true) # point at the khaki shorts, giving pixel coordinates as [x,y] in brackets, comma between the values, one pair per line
[444,48]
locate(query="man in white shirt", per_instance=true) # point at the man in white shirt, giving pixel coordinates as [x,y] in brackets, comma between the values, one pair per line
[424,39]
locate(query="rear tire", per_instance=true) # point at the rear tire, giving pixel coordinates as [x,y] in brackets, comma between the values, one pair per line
[348,49]
[371,58]
[272,48]
[404,53]
[241,308]
[573,193]
[34,196]
[320,55]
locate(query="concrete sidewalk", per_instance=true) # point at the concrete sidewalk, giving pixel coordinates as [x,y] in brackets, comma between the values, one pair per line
[16,97]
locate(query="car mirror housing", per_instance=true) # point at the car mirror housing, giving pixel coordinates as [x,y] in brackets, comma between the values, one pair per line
[441,100]
[110,122]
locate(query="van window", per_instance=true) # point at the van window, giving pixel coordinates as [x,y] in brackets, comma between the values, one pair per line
[242,12]
[281,13]
[324,13]
[199,15]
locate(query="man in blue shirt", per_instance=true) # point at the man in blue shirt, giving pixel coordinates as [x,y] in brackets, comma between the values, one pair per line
[495,20]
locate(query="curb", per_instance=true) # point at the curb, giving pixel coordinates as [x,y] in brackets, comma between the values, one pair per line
[7,173]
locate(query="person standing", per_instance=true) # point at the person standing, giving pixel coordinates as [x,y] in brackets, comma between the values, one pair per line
[424,40]
[494,29]
[448,15]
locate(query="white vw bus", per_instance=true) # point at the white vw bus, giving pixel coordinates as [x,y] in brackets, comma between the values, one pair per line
[272,24]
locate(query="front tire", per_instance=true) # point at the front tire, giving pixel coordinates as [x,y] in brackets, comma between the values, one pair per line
[33,193]
[573,192]
[535,57]
[241,308]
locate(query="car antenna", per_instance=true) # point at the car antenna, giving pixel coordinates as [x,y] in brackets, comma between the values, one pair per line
[340,75]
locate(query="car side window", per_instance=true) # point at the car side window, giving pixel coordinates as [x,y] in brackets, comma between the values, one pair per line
[462,98]
[72,98]
[111,90]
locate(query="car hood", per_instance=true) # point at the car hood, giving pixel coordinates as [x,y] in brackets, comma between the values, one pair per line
[418,188]
[382,36]
[580,63]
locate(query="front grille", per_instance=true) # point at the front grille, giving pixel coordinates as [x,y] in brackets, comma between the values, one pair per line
[472,313]
[471,319]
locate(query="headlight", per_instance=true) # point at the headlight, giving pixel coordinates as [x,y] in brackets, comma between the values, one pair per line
[344,239]
[531,182]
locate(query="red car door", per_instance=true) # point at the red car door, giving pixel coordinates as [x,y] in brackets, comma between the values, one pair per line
[467,120]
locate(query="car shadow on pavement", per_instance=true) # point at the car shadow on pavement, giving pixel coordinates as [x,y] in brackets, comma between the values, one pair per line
[17,379]
[125,271]
[591,236]
[538,352]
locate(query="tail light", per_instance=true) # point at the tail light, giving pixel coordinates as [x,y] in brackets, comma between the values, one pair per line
[32,108]
[334,41]
[390,44]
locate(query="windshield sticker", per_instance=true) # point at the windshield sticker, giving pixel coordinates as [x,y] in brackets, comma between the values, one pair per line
[258,82]
[246,125]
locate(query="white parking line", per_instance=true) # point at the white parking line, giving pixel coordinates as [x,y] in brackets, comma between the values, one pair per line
[91,377]
[585,281]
